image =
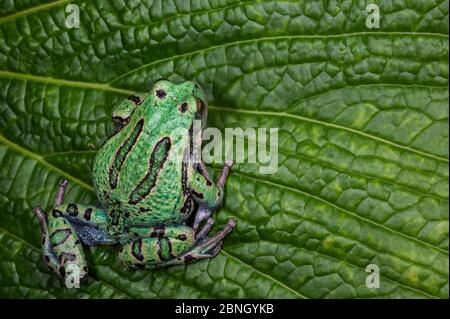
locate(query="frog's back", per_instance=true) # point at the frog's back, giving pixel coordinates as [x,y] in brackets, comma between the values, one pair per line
[139,172]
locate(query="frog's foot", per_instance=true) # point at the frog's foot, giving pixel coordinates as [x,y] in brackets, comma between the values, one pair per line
[204,230]
[49,257]
[202,214]
[208,247]
[204,248]
[61,247]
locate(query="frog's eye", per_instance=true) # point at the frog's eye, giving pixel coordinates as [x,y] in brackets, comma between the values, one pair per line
[183,107]
[160,94]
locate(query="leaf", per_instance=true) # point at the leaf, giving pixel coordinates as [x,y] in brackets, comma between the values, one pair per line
[363,139]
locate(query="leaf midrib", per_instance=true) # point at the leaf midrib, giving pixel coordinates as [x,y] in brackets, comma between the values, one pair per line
[31,10]
[108,87]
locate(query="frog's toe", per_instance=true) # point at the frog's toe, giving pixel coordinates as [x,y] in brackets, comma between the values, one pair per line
[209,247]
[202,214]
[216,249]
[60,194]
[228,163]
[201,234]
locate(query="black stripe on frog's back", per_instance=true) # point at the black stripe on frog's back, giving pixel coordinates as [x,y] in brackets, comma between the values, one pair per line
[122,153]
[156,162]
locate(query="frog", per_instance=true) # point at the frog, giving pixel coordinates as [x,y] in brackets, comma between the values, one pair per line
[155,198]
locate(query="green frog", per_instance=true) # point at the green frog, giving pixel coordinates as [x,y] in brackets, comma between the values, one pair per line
[148,184]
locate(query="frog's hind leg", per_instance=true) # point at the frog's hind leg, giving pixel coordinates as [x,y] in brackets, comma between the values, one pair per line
[63,229]
[49,257]
[204,211]
[172,246]
[59,198]
[61,247]
[155,245]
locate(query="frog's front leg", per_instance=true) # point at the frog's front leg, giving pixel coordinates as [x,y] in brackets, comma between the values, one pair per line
[61,243]
[122,112]
[208,195]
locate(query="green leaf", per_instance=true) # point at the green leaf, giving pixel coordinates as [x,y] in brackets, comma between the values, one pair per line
[363,139]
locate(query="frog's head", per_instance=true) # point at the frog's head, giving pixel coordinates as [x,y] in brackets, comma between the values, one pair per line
[185,101]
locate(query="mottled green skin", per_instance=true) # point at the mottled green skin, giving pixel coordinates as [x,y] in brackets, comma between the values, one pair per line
[162,118]
[147,185]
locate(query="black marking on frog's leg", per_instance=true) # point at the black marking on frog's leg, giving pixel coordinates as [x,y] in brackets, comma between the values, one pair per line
[161,94]
[72,210]
[184,178]
[114,215]
[135,99]
[122,153]
[156,162]
[197,194]
[187,207]
[191,140]
[169,244]
[164,249]
[87,214]
[67,232]
[158,231]
[159,252]
[136,249]
[56,213]
[188,258]
[65,257]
